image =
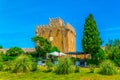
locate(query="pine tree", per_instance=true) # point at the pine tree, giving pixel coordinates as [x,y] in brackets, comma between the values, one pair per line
[91,40]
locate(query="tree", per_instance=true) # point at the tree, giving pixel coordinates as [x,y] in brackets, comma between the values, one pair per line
[14,51]
[43,46]
[112,50]
[91,41]
[54,48]
[1,47]
[99,56]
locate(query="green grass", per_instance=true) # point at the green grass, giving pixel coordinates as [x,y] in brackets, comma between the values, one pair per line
[41,75]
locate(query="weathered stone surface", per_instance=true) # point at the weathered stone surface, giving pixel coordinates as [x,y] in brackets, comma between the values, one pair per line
[61,35]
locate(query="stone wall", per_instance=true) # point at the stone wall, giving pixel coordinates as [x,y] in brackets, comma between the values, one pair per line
[24,49]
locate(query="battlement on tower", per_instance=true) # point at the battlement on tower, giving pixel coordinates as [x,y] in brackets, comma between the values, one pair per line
[69,27]
[63,35]
[56,22]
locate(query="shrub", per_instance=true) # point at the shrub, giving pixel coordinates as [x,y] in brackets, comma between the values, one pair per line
[1,63]
[7,65]
[77,69]
[33,66]
[1,58]
[108,68]
[63,66]
[7,58]
[33,54]
[24,63]
[14,51]
[92,68]
[1,47]
[112,49]
[1,66]
[49,65]
[99,56]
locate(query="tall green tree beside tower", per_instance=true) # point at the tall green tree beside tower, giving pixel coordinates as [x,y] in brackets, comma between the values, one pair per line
[91,40]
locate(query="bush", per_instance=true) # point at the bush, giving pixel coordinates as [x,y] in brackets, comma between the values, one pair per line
[1,63]
[117,61]
[14,51]
[63,66]
[1,66]
[7,58]
[77,69]
[99,57]
[49,65]
[108,68]
[33,66]
[1,47]
[92,68]
[1,58]
[24,63]
[33,54]
[7,65]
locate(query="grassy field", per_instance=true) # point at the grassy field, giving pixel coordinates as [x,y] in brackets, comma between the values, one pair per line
[41,75]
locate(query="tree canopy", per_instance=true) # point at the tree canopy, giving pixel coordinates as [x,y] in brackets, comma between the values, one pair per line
[14,51]
[54,48]
[1,47]
[91,40]
[112,50]
[43,46]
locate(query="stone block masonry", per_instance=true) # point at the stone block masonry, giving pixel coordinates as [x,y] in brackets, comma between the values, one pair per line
[61,35]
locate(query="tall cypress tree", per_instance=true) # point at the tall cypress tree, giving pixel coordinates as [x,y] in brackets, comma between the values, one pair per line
[91,40]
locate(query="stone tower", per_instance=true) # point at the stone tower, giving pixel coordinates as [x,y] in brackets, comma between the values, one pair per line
[61,35]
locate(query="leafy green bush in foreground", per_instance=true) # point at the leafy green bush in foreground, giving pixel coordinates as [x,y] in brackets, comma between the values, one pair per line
[108,68]
[63,66]
[92,68]
[24,63]
[49,65]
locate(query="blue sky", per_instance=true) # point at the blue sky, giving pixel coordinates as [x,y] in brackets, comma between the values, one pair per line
[18,18]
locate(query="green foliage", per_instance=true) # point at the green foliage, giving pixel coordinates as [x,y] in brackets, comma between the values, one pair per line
[41,75]
[14,51]
[33,54]
[43,46]
[1,63]
[8,65]
[1,66]
[49,65]
[1,47]
[113,51]
[108,68]
[99,56]
[63,66]
[24,63]
[1,58]
[39,59]
[7,58]
[33,66]
[54,48]
[92,68]
[77,69]
[91,40]
[4,57]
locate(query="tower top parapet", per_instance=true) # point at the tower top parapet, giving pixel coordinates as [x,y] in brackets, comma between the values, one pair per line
[56,21]
[69,27]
